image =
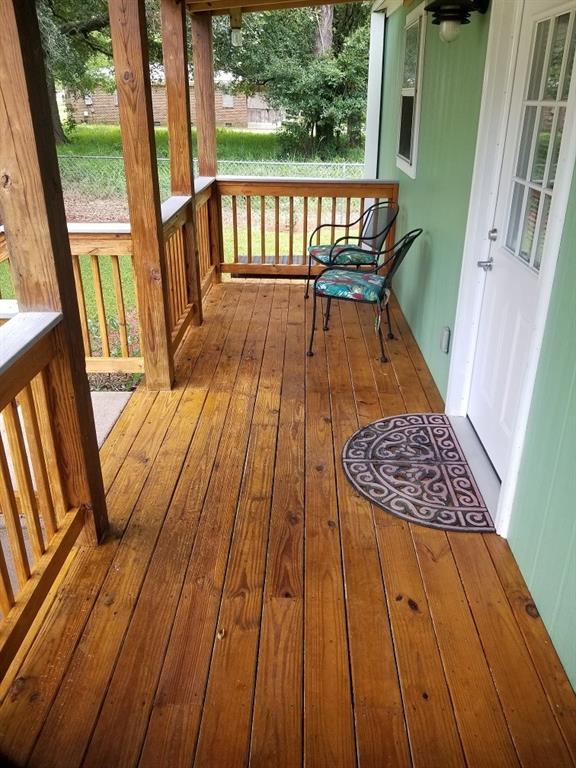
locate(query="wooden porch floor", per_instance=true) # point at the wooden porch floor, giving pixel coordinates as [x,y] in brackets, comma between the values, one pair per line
[251,608]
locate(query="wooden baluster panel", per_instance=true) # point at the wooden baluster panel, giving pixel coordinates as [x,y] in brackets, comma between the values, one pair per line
[249,228]
[333,221]
[348,204]
[277,230]
[82,305]
[305,229]
[262,229]
[6,591]
[12,520]
[120,307]
[290,229]
[23,476]
[100,308]
[235,227]
[318,217]
[171,287]
[361,213]
[186,299]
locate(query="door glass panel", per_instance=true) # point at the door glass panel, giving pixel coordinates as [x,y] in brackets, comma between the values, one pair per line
[542,231]
[530,218]
[569,65]
[542,143]
[539,54]
[556,147]
[526,142]
[515,213]
[556,56]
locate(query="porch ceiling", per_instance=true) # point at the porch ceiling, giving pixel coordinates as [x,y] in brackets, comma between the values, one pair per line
[246,6]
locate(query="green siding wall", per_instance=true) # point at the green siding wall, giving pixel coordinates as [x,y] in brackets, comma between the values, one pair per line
[437,200]
[543,527]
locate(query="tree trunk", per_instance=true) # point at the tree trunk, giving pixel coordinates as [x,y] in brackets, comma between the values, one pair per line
[324,30]
[59,134]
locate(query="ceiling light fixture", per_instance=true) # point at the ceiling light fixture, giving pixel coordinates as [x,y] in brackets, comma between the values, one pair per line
[451,14]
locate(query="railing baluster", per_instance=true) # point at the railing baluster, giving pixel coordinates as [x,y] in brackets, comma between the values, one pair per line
[333,221]
[34,438]
[305,229]
[43,412]
[119,294]
[28,501]
[348,203]
[362,205]
[98,293]
[318,218]
[291,230]
[81,305]
[277,230]
[6,593]
[262,229]
[249,228]
[235,227]
[12,521]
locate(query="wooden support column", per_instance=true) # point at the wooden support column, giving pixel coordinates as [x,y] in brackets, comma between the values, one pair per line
[204,92]
[32,208]
[173,16]
[130,48]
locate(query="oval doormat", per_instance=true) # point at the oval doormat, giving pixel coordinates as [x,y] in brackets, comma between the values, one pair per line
[413,466]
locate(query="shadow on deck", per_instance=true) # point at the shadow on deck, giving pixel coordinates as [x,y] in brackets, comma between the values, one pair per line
[249,606]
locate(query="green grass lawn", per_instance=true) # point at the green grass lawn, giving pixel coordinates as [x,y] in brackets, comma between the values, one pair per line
[231,144]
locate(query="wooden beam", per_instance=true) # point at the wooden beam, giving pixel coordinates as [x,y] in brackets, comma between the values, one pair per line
[219,7]
[32,208]
[130,48]
[204,92]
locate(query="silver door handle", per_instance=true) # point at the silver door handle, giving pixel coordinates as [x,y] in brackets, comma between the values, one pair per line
[493,234]
[486,265]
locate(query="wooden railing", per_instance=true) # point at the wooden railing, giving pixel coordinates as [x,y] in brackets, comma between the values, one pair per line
[38,527]
[267,222]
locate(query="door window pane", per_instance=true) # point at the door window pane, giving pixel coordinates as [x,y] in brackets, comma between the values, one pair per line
[542,231]
[406,124]
[530,219]
[538,57]
[556,147]
[515,214]
[542,143]
[526,142]
[569,65]
[556,56]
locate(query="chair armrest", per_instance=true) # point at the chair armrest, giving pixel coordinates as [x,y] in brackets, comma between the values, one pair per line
[321,226]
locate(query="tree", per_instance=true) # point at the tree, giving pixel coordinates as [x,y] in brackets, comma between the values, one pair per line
[310,62]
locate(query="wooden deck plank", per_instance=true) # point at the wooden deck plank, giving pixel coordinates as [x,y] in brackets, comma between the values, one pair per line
[120,730]
[380,727]
[32,693]
[476,703]
[329,737]
[535,732]
[544,656]
[224,737]
[250,608]
[277,719]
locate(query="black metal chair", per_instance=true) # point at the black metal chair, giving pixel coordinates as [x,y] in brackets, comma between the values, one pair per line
[366,286]
[355,251]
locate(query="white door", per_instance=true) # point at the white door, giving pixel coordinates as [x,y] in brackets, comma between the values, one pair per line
[539,101]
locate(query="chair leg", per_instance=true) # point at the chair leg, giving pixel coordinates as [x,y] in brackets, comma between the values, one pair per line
[308,277]
[383,357]
[310,352]
[390,331]
[327,315]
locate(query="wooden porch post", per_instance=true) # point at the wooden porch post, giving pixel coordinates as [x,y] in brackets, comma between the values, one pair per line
[35,222]
[173,15]
[130,48]
[204,92]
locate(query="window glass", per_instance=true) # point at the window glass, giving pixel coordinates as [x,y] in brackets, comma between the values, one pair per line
[409,98]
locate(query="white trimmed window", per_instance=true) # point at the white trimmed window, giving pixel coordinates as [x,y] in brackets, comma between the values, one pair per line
[227,100]
[412,61]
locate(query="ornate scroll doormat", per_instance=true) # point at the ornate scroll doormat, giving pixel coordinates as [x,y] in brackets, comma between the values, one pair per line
[413,467]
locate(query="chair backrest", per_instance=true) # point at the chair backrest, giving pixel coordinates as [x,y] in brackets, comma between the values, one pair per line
[378,221]
[393,257]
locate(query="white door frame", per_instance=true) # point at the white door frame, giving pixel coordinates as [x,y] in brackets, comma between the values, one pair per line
[499,73]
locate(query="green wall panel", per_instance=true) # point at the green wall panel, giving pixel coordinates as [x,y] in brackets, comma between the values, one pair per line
[437,200]
[543,526]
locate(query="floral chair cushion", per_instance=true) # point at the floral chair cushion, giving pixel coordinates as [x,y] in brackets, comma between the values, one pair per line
[345,284]
[347,253]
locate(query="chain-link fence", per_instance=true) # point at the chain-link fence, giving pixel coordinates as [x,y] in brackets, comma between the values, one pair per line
[95,186]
